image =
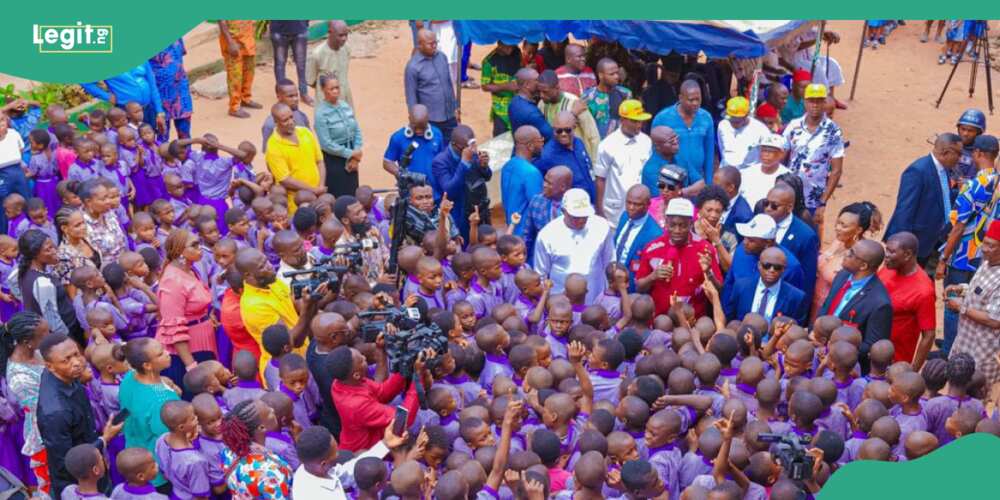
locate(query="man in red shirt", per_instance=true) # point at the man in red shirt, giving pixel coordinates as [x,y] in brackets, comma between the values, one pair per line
[361,402]
[575,76]
[232,321]
[677,263]
[912,295]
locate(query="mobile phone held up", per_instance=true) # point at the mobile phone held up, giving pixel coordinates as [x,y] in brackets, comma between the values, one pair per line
[399,424]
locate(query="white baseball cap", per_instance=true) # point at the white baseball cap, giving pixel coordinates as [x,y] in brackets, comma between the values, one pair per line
[774,141]
[576,203]
[680,206]
[761,226]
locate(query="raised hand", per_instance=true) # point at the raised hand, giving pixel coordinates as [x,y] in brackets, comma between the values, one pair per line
[576,352]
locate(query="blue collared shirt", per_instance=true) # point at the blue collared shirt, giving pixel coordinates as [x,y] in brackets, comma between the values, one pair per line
[697,142]
[576,159]
[772,297]
[422,157]
[519,182]
[524,112]
[945,189]
[856,286]
[651,173]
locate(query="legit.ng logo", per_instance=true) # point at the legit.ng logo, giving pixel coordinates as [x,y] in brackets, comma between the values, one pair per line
[76,38]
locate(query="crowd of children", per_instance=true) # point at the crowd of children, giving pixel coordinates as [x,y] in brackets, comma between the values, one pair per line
[537,395]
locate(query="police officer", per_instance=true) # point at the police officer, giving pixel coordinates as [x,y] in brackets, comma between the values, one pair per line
[970,125]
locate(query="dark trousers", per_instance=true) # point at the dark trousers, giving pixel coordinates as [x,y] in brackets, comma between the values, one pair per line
[176,371]
[466,54]
[339,181]
[499,126]
[952,277]
[12,180]
[446,127]
[298,43]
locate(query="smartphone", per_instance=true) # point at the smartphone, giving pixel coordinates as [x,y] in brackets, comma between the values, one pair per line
[120,416]
[399,425]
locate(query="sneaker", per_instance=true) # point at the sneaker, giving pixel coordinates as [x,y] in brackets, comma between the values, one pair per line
[923,38]
[868,43]
[941,59]
[874,45]
[954,60]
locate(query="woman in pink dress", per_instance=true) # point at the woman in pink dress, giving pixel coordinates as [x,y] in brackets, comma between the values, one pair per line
[856,221]
[187,328]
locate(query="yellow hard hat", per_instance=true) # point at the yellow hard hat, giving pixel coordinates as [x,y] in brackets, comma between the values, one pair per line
[738,107]
[815,91]
[632,109]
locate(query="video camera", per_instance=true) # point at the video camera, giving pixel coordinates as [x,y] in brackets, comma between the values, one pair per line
[791,454]
[412,337]
[403,318]
[323,272]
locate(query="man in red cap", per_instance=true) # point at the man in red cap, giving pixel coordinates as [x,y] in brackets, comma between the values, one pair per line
[978,304]
[796,106]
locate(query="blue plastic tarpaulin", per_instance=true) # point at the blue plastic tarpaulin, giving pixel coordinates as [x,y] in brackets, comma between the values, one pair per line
[716,39]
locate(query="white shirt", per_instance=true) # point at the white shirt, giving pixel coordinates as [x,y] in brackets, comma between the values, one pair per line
[741,147]
[284,268]
[772,297]
[10,148]
[755,183]
[783,226]
[306,485]
[619,161]
[834,79]
[560,251]
[725,214]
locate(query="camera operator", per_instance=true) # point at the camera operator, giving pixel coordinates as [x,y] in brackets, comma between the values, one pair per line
[266,301]
[357,227]
[292,252]
[421,216]
[462,171]
[362,402]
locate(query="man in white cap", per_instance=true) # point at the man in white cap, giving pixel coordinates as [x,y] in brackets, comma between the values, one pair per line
[578,242]
[759,177]
[758,235]
[674,263]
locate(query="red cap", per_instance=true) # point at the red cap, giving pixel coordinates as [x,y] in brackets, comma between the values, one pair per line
[801,75]
[766,111]
[994,230]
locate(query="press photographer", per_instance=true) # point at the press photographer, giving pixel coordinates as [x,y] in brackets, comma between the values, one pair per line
[461,171]
[361,237]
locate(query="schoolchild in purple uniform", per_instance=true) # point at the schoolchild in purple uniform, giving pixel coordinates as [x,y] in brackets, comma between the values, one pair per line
[86,166]
[605,358]
[512,257]
[277,342]
[9,305]
[841,358]
[295,378]
[861,420]
[431,276]
[86,464]
[207,230]
[109,361]
[611,299]
[116,119]
[13,207]
[493,340]
[557,326]
[37,218]
[880,356]
[486,291]
[179,203]
[209,440]
[243,163]
[190,473]
[829,418]
[407,260]
[42,168]
[90,285]
[768,399]
[213,175]
[135,310]
[133,159]
[532,298]
[152,166]
[458,290]
[744,388]
[960,369]
[663,436]
[117,171]
[138,467]
[467,387]
[143,232]
[905,393]
[262,231]
[576,292]
[329,233]
[238,225]
[179,162]
[707,369]
[280,439]
[247,388]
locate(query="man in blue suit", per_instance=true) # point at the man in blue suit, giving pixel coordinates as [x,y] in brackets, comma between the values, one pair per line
[635,229]
[450,168]
[768,295]
[794,234]
[729,179]
[523,107]
[860,299]
[923,202]
[758,235]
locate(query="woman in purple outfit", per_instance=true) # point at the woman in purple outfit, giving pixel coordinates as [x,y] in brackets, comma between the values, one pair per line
[19,340]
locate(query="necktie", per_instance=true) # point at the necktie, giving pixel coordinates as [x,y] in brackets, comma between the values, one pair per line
[622,240]
[762,308]
[838,297]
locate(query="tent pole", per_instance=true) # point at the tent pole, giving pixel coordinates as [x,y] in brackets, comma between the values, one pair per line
[819,41]
[458,84]
[861,51]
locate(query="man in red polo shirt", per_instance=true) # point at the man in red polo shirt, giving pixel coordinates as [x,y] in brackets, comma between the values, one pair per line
[672,264]
[912,294]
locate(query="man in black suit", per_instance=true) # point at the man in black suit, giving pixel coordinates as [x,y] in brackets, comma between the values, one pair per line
[859,299]
[924,199]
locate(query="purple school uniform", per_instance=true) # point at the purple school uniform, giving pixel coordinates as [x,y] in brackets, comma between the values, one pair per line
[727,374]
[179,205]
[84,171]
[411,285]
[243,390]
[180,169]
[908,423]
[243,171]
[468,388]
[456,294]
[48,228]
[435,299]
[95,396]
[153,166]
[717,398]
[578,312]
[206,266]
[304,410]
[524,306]
[129,158]
[189,472]
[851,392]
[851,447]
[317,252]
[496,364]
[45,172]
[606,384]
[558,344]
[450,424]
[508,288]
[14,223]
[7,309]
[484,300]
[655,338]
[81,312]
[939,408]
[109,401]
[126,491]
[281,444]
[271,377]
[746,393]
[72,492]
[135,313]
[213,175]
[834,421]
[692,465]
[611,303]
[211,449]
[666,460]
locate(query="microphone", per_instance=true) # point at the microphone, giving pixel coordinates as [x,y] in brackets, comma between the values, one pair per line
[404,161]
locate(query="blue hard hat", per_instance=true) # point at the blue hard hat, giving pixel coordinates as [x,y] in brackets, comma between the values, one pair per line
[973,118]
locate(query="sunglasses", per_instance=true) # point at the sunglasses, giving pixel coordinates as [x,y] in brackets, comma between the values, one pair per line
[772,205]
[772,267]
[669,187]
[563,130]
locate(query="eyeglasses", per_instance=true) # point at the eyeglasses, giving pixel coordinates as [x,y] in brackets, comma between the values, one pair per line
[772,267]
[563,131]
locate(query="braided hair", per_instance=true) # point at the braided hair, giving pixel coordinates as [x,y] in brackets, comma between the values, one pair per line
[29,245]
[21,328]
[238,427]
[795,182]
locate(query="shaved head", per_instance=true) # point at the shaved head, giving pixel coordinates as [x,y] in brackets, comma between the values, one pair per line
[418,112]
[565,119]
[905,240]
[525,75]
[526,133]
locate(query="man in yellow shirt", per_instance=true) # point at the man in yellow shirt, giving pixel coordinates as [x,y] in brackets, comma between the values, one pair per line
[294,156]
[267,301]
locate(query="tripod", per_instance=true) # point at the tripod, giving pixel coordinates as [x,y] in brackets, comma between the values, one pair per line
[982,48]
